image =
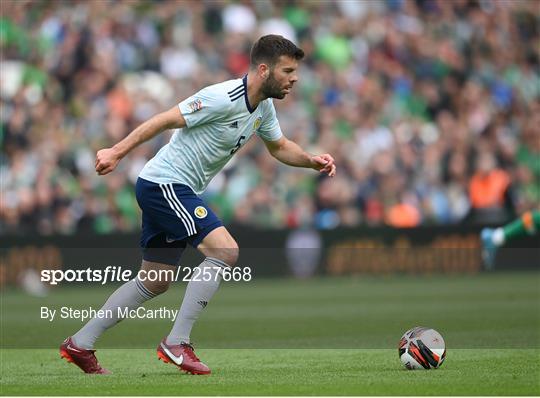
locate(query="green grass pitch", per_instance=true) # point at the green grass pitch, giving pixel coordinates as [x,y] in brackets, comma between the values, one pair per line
[326,336]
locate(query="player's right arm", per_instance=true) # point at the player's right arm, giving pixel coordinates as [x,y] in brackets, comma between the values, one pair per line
[107,159]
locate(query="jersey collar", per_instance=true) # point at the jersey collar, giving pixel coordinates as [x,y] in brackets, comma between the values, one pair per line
[249,108]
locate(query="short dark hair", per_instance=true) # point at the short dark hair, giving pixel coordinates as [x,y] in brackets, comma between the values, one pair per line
[269,48]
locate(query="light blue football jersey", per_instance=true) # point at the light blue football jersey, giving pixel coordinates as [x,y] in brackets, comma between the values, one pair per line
[219,122]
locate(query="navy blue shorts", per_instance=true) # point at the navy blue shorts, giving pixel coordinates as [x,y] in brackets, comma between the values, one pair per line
[172,216]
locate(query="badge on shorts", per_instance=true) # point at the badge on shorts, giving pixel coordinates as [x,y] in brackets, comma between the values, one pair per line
[200,212]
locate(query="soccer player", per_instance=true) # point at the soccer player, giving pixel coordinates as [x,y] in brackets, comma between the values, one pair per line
[492,239]
[213,125]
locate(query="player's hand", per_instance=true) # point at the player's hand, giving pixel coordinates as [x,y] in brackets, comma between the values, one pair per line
[325,164]
[106,161]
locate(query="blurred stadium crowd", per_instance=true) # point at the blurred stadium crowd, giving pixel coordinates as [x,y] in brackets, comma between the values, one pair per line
[431,108]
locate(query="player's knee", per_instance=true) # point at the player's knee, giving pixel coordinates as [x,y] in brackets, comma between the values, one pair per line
[155,277]
[230,254]
[219,244]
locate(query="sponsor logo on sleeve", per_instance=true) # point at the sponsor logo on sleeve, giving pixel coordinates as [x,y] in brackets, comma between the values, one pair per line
[195,105]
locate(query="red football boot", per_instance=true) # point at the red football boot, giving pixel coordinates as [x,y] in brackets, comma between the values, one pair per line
[84,359]
[183,356]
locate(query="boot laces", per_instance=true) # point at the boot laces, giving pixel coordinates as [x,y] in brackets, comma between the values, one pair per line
[190,351]
[94,362]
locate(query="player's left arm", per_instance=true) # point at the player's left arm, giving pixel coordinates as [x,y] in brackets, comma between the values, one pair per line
[290,153]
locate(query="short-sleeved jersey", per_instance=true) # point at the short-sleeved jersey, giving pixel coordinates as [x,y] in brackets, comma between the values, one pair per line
[219,120]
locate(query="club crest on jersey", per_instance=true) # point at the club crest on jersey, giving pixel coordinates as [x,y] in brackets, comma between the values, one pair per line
[257,123]
[195,105]
[200,212]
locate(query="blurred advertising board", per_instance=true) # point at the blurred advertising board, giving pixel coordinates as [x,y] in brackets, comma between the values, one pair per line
[275,253]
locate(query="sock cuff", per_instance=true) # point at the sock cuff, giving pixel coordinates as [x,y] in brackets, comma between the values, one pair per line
[218,262]
[147,294]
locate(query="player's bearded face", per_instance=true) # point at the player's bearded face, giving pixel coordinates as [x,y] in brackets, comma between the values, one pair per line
[281,78]
[272,88]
